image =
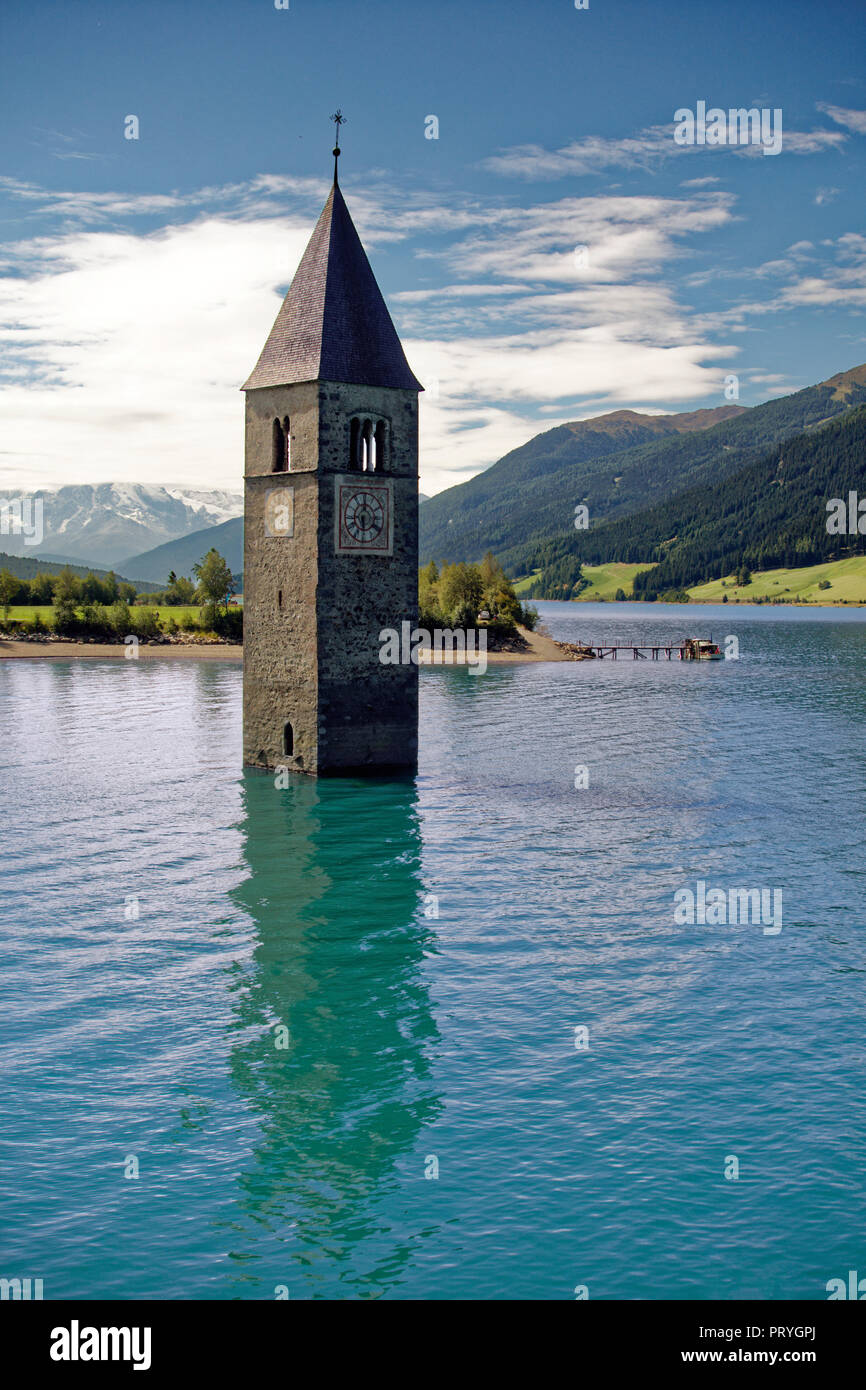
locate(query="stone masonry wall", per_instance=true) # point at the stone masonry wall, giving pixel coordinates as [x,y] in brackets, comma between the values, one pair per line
[314,661]
[368,712]
[280,649]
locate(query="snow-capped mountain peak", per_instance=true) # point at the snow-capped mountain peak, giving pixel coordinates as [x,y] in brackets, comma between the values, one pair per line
[100,524]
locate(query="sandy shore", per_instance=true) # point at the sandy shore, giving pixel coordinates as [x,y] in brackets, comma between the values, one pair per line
[539,648]
[66,651]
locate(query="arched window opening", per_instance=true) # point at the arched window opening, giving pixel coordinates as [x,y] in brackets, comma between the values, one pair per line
[288,740]
[368,460]
[287,431]
[367,437]
[278,461]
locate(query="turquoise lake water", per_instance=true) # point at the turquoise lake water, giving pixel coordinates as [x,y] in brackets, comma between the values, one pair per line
[165,915]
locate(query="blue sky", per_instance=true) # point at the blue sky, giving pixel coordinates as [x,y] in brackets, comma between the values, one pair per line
[141,277]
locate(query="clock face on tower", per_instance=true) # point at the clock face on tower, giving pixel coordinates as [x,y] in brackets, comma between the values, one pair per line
[364,517]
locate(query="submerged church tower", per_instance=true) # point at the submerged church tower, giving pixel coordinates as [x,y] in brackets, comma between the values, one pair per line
[330,521]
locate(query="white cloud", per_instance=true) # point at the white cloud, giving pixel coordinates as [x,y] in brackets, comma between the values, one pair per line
[123,351]
[840,283]
[138,345]
[585,156]
[843,115]
[646,150]
[622,237]
[546,370]
[799,142]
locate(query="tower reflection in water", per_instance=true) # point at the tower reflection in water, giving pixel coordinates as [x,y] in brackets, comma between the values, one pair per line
[334,1036]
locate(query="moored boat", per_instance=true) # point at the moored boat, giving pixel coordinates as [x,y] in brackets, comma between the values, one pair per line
[701,649]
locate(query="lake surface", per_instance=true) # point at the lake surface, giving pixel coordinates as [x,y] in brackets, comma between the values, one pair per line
[248,994]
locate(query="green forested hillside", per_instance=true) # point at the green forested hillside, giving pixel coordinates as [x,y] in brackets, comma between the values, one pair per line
[771,513]
[24,567]
[180,556]
[536,487]
[616,465]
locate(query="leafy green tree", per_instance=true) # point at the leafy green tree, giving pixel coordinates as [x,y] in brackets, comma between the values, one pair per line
[145,622]
[41,589]
[90,589]
[528,617]
[119,618]
[493,576]
[67,596]
[428,596]
[9,587]
[460,589]
[498,595]
[215,580]
[455,595]
[180,592]
[215,586]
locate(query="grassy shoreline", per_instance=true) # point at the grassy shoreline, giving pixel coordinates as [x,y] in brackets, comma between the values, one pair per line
[798,587]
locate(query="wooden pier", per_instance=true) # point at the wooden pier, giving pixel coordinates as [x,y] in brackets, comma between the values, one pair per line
[639,653]
[687,649]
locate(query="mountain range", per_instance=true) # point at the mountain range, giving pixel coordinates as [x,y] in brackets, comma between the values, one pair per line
[105,523]
[614,465]
[772,513]
[534,488]
[180,555]
[640,478]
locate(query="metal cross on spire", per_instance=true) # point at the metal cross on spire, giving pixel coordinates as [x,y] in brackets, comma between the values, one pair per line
[339,119]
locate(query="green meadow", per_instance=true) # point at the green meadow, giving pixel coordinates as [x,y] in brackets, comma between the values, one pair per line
[25,613]
[846,580]
[604,580]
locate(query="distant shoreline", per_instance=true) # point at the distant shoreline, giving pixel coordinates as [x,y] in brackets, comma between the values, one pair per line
[831,584]
[718,603]
[64,651]
[538,648]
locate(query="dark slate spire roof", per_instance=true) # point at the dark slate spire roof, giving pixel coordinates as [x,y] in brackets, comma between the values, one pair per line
[334,325]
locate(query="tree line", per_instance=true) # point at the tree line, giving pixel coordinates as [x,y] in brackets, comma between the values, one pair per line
[454,596]
[103,606]
[770,514]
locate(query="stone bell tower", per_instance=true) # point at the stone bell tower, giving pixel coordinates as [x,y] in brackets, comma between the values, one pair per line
[330,521]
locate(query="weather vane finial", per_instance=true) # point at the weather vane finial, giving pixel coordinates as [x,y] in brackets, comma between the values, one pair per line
[339,119]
